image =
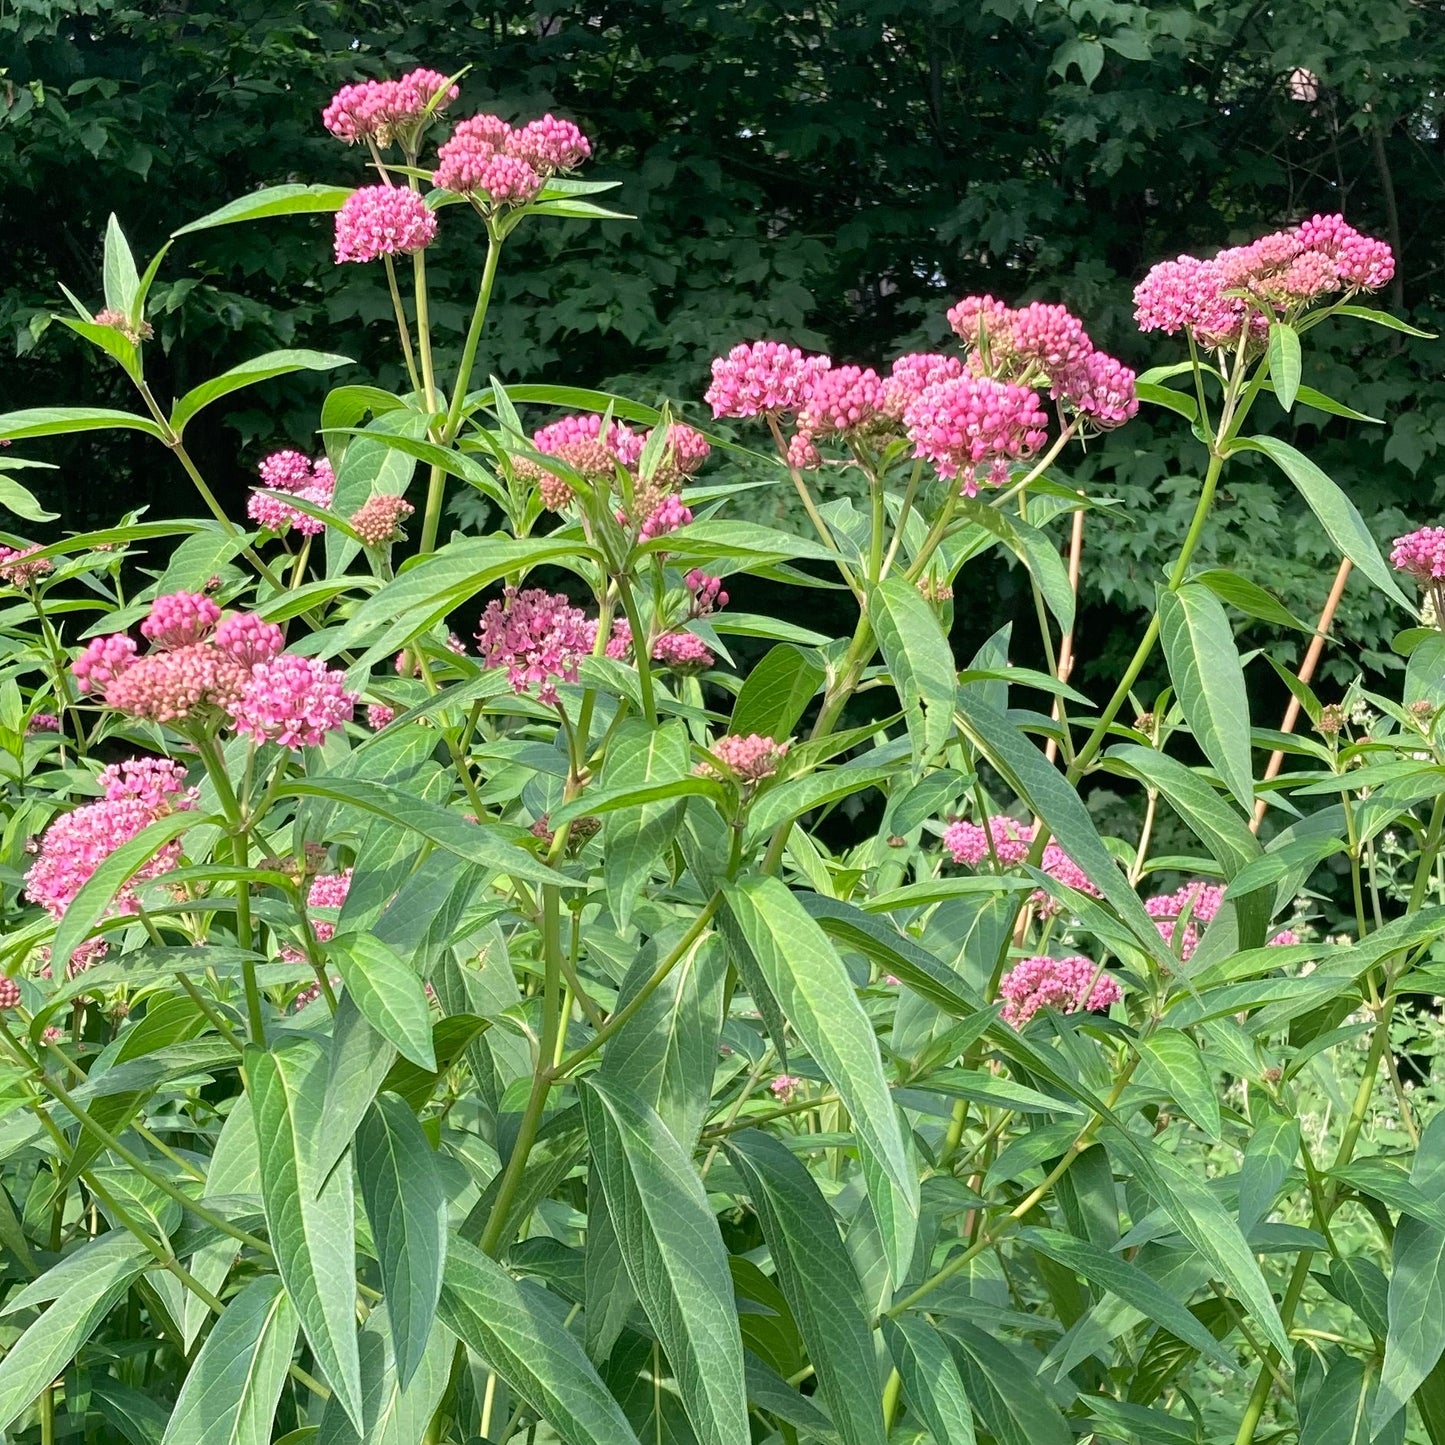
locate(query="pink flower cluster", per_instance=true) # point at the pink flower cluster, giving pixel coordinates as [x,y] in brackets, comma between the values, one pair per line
[383,221]
[682,651]
[1274,276]
[17,570]
[1067,985]
[761,378]
[298,476]
[43,722]
[538,637]
[378,520]
[1201,901]
[972,427]
[137,793]
[294,701]
[378,109]
[968,844]
[379,715]
[9,992]
[1421,554]
[750,759]
[486,157]
[180,619]
[912,375]
[328,891]
[785,1088]
[840,399]
[667,516]
[707,592]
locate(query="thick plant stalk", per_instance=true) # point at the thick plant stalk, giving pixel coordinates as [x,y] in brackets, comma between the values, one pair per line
[1306,673]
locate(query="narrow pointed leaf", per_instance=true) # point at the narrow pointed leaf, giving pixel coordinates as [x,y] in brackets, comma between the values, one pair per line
[919,660]
[1172,1062]
[288,200]
[932,1384]
[250,373]
[634,839]
[1285,363]
[389,993]
[391,1414]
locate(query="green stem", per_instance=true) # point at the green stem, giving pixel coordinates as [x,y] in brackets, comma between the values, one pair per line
[474,334]
[403,326]
[640,649]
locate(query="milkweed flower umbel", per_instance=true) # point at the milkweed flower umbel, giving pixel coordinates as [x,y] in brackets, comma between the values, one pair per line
[295,475]
[1421,554]
[378,109]
[291,700]
[378,520]
[539,637]
[969,843]
[751,758]
[18,570]
[1066,985]
[761,377]
[381,221]
[972,427]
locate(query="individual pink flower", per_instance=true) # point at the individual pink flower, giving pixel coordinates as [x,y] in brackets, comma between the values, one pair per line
[1421,554]
[103,660]
[538,637]
[682,651]
[1201,901]
[619,642]
[911,375]
[785,1088]
[378,520]
[751,758]
[1059,866]
[707,592]
[839,400]
[1067,985]
[972,427]
[175,686]
[248,639]
[378,716]
[474,143]
[549,145]
[968,843]
[179,619]
[17,571]
[294,701]
[760,378]
[383,221]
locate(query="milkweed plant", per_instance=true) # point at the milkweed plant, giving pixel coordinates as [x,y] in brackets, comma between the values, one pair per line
[433,1010]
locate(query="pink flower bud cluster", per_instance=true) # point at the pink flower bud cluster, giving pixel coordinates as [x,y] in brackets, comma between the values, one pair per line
[43,722]
[1421,554]
[968,843]
[761,378]
[378,109]
[667,516]
[378,716]
[785,1088]
[294,701]
[1271,277]
[1067,985]
[298,476]
[973,427]
[9,992]
[583,443]
[1202,903]
[180,619]
[383,221]
[175,685]
[840,399]
[912,374]
[682,651]
[707,593]
[137,793]
[378,520]
[17,570]
[751,758]
[328,891]
[486,157]
[538,637]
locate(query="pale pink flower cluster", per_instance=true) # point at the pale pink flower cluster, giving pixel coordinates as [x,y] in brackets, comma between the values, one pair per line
[1067,985]
[785,1088]
[973,427]
[298,476]
[378,109]
[43,722]
[1200,900]
[17,570]
[583,442]
[751,758]
[1421,554]
[294,701]
[682,651]
[486,157]
[538,637]
[378,716]
[969,843]
[328,891]
[378,520]
[1271,277]
[761,378]
[175,685]
[380,221]
[137,793]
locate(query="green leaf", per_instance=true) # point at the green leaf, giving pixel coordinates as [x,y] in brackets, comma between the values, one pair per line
[1268,1158]
[250,373]
[232,1389]
[993,1091]
[1205,669]
[775,693]
[1167,397]
[358,1064]
[49,421]
[1249,597]
[819,1280]
[118,273]
[932,1384]
[1131,1284]
[919,660]
[674,1257]
[1416,1340]
[746,544]
[1308,396]
[1002,1389]
[1383,318]
[1186,1197]
[407,1207]
[388,993]
[1172,1063]
[133,1413]
[1035,550]
[1340,1412]
[634,839]
[1285,362]
[519,1330]
[391,1414]
[19,500]
[311,1222]
[805,974]
[49,1344]
[290,200]
[1336,513]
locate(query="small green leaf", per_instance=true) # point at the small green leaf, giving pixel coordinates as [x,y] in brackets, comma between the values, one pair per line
[388,993]
[19,500]
[1285,362]
[776,692]
[1268,1158]
[1172,1063]
[1249,597]
[121,282]
[289,200]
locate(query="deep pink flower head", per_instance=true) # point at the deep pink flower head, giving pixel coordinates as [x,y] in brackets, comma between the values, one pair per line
[682,651]
[378,716]
[328,890]
[1361,262]
[1048,339]
[103,660]
[1200,900]
[159,783]
[538,637]
[175,686]
[378,108]
[1421,554]
[968,843]
[43,722]
[1058,865]
[1102,391]
[619,643]
[550,145]
[17,571]
[179,619]
[840,399]
[911,374]
[292,473]
[475,142]
[1067,985]
[803,456]
[294,701]
[751,758]
[981,321]
[9,992]
[685,452]
[667,516]
[248,639]
[972,427]
[378,520]
[383,221]
[1188,294]
[286,471]
[763,377]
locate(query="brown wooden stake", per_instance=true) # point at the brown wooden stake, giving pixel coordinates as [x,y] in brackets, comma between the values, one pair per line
[1306,672]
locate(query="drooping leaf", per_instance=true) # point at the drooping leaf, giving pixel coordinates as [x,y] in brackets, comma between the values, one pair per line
[920,662]
[776,692]
[932,1384]
[389,993]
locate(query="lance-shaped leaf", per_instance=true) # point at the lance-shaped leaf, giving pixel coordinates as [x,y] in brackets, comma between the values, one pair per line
[1172,1063]
[1285,362]
[1000,1383]
[520,1331]
[250,373]
[1268,1159]
[231,1390]
[674,1257]
[932,1384]
[819,1280]
[389,993]
[776,692]
[391,1414]
[804,973]
[288,200]
[312,1225]
[920,662]
[46,421]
